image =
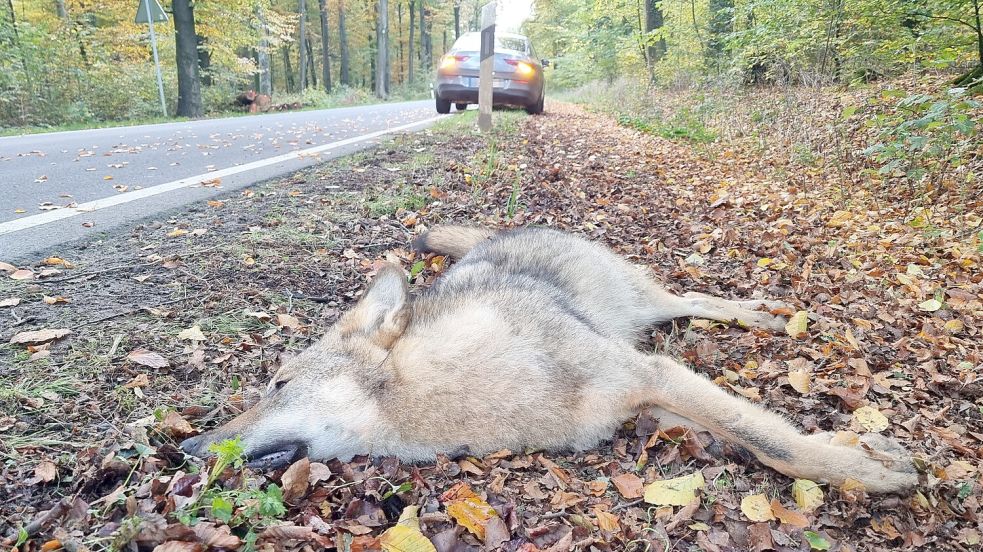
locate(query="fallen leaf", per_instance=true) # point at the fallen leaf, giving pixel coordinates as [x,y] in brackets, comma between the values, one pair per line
[757,507]
[141,380]
[177,232]
[468,509]
[176,426]
[807,494]
[147,358]
[815,540]
[405,536]
[48,300]
[22,274]
[46,471]
[40,336]
[870,418]
[57,261]
[798,325]
[295,479]
[216,537]
[606,521]
[629,485]
[319,472]
[10,302]
[954,326]
[215,203]
[288,321]
[280,533]
[931,305]
[800,380]
[786,516]
[678,491]
[7,267]
[191,334]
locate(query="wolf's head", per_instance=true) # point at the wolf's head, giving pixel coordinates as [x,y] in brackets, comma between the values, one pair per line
[324,402]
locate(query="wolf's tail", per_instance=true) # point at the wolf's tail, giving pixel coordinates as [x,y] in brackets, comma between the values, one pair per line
[455,241]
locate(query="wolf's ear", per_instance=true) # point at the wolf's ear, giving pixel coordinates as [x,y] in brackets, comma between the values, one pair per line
[383,312]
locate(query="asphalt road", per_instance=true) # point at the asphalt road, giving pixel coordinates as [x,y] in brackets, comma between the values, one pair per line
[58,187]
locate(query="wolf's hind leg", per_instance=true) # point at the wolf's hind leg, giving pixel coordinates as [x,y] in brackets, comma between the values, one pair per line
[773,440]
[698,305]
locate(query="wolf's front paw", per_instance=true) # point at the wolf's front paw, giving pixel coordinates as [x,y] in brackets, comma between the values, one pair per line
[880,463]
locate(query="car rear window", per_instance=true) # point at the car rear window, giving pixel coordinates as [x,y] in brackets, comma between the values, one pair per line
[472,42]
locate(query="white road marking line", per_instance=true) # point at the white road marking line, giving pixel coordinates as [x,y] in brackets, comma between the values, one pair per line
[90,206]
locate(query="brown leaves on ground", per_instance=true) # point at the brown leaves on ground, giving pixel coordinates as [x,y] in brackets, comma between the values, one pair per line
[39,336]
[295,479]
[866,349]
[147,358]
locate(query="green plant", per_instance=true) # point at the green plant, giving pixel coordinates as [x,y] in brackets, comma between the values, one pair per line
[513,203]
[248,508]
[924,137]
[684,125]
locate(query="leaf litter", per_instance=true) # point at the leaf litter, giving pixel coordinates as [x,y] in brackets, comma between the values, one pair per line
[863,328]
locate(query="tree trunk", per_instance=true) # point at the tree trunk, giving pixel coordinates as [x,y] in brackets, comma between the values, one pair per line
[382,49]
[302,64]
[263,60]
[721,26]
[186,44]
[325,57]
[343,43]
[412,40]
[979,30]
[204,62]
[654,50]
[399,30]
[311,65]
[61,10]
[426,49]
[288,72]
[457,19]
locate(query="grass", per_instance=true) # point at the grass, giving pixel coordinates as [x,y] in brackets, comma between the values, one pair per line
[683,126]
[388,204]
[311,100]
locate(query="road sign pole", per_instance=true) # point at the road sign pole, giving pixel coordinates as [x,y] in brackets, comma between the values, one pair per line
[486,75]
[153,47]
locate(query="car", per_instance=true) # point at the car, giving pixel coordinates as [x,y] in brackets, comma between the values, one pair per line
[517,74]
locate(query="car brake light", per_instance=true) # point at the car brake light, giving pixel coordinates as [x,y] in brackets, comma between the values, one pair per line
[522,68]
[449,61]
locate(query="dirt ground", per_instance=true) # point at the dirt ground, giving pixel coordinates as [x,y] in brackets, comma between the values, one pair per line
[176,325]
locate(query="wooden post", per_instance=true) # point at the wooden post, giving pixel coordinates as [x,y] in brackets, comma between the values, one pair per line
[486,77]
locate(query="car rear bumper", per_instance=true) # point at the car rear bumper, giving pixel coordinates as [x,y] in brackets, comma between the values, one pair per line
[460,89]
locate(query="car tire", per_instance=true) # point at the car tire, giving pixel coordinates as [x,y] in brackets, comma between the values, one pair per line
[443,106]
[536,108]
[461,106]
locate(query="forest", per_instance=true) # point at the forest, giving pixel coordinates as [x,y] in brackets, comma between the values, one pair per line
[78,61]
[677,43]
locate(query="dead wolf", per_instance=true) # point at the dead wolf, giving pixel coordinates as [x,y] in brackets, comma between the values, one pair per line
[528,341]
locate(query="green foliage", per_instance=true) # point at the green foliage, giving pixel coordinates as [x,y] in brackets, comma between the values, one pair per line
[755,41]
[92,64]
[816,541]
[250,508]
[388,204]
[683,125]
[925,136]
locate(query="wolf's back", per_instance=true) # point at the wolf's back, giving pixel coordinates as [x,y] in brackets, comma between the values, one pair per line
[455,241]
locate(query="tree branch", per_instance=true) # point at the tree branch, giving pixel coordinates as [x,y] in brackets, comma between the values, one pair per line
[945,18]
